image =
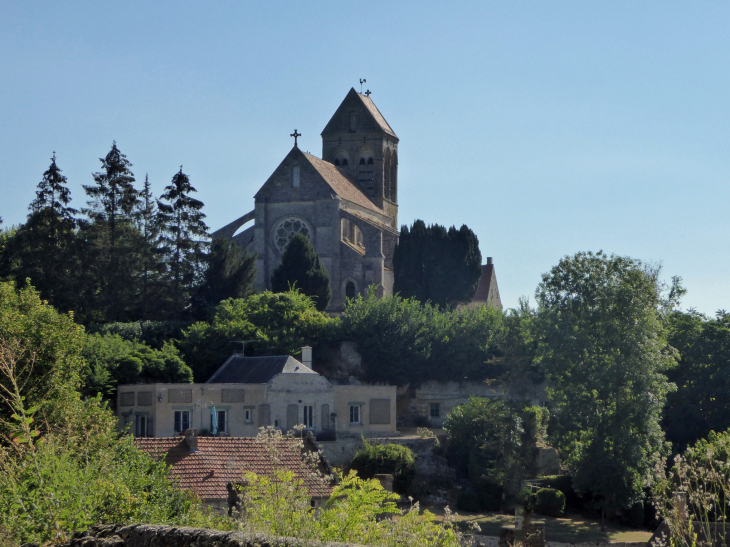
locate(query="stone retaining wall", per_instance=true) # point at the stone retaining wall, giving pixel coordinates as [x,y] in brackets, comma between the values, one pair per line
[145,535]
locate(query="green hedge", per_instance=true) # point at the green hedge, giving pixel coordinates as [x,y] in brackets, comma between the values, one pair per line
[468,501]
[392,459]
[550,502]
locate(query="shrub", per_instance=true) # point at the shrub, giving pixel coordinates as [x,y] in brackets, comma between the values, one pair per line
[564,483]
[393,459]
[550,502]
[490,496]
[468,500]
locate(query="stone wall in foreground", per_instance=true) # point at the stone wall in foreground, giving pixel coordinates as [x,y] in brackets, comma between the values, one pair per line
[145,535]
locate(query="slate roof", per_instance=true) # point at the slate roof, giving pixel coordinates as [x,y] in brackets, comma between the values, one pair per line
[222,460]
[355,97]
[482,294]
[256,370]
[370,105]
[343,183]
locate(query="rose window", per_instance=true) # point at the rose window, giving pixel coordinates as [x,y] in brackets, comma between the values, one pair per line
[288,228]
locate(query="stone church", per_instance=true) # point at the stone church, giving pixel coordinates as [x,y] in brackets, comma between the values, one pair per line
[346,204]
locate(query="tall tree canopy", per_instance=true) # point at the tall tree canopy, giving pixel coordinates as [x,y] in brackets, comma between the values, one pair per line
[301,268]
[229,274]
[437,265]
[184,240]
[603,346]
[700,404]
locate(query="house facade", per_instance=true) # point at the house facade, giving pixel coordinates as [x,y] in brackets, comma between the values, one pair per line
[247,393]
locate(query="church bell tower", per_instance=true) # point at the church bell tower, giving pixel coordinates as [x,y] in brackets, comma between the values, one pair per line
[358,140]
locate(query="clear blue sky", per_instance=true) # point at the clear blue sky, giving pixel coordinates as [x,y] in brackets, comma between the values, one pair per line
[546,127]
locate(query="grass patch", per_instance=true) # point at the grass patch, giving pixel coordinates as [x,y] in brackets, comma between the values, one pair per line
[572,528]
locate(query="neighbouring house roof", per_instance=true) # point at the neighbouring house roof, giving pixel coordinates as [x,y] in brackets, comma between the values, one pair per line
[256,370]
[223,460]
[343,183]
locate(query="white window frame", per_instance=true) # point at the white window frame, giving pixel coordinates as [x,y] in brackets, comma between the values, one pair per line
[355,412]
[248,415]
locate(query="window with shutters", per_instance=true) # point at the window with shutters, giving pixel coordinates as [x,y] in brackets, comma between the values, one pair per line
[126,399]
[292,416]
[264,415]
[380,411]
[231,396]
[140,428]
[219,421]
[309,416]
[180,396]
[324,411]
[144,398]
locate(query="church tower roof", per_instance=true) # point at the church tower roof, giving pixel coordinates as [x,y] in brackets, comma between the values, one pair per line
[374,121]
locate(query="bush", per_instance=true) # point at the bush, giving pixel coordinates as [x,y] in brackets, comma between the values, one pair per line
[490,496]
[392,459]
[468,501]
[550,502]
[564,483]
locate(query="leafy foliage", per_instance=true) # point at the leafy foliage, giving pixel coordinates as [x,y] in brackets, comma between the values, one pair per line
[495,442]
[403,341]
[357,512]
[301,268]
[111,360]
[702,377]
[550,502]
[603,347]
[152,333]
[434,265]
[392,459]
[281,323]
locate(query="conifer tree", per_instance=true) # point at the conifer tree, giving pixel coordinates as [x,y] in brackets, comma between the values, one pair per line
[301,268]
[113,250]
[114,197]
[184,241]
[437,265]
[44,247]
[230,274]
[152,267]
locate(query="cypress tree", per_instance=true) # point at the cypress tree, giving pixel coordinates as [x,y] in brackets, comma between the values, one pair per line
[301,268]
[184,241]
[437,265]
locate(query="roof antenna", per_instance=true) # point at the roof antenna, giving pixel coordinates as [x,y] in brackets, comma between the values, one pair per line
[243,346]
[362,81]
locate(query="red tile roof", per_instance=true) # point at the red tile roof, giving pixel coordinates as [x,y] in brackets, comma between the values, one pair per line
[223,460]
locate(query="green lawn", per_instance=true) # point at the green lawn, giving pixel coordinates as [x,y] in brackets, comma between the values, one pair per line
[572,528]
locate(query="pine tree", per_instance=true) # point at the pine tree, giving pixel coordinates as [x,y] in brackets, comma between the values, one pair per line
[114,245]
[44,247]
[152,267]
[114,198]
[184,241]
[301,268]
[230,274]
[437,265]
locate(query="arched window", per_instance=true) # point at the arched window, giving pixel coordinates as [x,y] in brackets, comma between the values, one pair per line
[345,163]
[350,290]
[337,162]
[386,175]
[353,122]
[394,178]
[366,174]
[295,176]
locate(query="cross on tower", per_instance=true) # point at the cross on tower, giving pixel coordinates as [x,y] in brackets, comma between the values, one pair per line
[367,93]
[295,135]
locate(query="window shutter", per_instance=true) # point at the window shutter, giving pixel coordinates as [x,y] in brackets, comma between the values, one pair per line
[292,416]
[150,426]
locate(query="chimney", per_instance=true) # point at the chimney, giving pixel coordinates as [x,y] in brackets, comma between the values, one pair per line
[307,356]
[191,439]
[489,260]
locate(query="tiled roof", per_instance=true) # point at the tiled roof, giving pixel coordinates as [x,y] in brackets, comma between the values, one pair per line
[223,460]
[256,370]
[343,183]
[485,281]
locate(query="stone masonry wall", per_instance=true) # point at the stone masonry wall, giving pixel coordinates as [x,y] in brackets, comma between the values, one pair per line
[144,535]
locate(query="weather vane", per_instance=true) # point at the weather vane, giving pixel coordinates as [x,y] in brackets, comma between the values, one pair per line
[362,81]
[295,135]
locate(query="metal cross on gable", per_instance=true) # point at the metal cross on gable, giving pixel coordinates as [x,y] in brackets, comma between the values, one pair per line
[295,135]
[367,93]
